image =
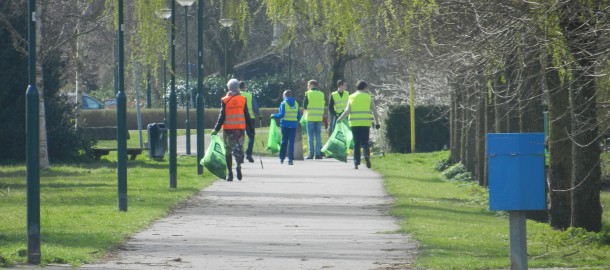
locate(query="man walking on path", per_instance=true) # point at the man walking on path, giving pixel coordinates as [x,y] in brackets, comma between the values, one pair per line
[254,112]
[336,104]
[290,115]
[314,106]
[361,110]
[233,119]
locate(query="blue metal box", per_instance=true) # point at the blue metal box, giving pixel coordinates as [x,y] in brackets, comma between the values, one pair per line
[516,171]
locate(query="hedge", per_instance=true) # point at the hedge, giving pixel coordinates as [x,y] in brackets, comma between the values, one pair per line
[431,133]
[104,118]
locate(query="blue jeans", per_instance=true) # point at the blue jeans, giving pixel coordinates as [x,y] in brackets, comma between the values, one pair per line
[288,135]
[314,129]
[361,139]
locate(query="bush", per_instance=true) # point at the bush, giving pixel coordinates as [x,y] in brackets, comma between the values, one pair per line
[454,170]
[442,164]
[432,128]
[465,177]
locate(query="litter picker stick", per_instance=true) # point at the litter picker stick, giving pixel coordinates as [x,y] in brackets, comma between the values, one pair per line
[260,155]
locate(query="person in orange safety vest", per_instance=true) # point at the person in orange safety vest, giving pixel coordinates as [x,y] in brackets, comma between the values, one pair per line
[234,120]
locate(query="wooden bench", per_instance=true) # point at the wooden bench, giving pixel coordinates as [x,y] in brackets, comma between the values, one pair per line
[107,133]
[132,152]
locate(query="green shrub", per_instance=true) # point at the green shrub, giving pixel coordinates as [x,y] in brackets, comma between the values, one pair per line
[431,133]
[454,170]
[465,177]
[442,164]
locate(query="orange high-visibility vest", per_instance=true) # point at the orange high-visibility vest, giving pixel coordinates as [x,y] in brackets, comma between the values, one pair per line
[234,112]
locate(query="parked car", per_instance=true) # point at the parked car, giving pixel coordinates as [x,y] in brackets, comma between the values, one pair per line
[86,102]
[110,103]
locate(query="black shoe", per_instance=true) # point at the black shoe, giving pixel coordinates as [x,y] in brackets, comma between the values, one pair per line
[238,169]
[309,157]
[281,161]
[230,177]
[368,162]
[250,159]
[290,162]
[355,167]
[319,157]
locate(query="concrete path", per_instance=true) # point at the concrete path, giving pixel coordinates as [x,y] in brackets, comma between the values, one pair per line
[316,214]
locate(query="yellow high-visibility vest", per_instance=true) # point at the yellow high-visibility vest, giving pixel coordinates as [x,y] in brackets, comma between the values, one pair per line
[248,97]
[291,113]
[315,105]
[340,101]
[360,110]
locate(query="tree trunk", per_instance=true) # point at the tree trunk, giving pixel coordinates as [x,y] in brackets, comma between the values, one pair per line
[44,153]
[452,131]
[499,107]
[560,151]
[490,123]
[480,129]
[471,132]
[512,93]
[586,172]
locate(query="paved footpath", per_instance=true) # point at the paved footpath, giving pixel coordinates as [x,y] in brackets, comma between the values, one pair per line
[316,214]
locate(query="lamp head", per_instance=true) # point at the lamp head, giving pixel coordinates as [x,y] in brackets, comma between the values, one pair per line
[186,3]
[165,13]
[226,22]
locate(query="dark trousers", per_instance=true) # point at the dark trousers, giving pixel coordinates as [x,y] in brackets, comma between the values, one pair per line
[288,135]
[250,145]
[361,139]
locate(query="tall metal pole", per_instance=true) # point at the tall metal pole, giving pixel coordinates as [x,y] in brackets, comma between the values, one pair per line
[289,64]
[148,90]
[187,124]
[200,106]
[226,46]
[172,101]
[32,146]
[121,117]
[164,92]
[412,108]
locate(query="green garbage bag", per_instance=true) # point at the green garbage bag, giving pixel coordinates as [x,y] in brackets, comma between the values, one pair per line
[303,123]
[337,144]
[274,139]
[214,158]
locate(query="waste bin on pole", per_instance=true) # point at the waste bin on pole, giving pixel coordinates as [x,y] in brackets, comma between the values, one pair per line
[157,140]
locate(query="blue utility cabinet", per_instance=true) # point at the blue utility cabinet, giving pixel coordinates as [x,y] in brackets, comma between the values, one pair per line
[516,171]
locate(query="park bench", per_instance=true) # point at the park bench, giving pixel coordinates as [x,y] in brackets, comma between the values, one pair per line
[107,133]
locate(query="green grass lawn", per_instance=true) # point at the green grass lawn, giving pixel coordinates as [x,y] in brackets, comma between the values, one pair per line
[455,229]
[79,217]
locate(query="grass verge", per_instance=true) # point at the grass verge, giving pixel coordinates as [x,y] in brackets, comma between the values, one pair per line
[455,229]
[79,217]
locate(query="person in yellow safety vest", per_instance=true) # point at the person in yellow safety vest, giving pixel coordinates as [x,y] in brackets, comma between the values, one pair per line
[361,110]
[254,111]
[233,118]
[336,104]
[290,114]
[314,106]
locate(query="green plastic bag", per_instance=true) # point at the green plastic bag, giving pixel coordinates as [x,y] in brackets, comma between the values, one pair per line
[337,144]
[214,159]
[303,123]
[274,139]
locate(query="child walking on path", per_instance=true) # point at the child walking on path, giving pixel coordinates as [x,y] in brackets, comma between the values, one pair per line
[290,116]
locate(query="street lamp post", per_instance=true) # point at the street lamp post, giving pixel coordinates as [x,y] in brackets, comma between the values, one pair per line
[172,101]
[32,145]
[226,23]
[165,14]
[121,117]
[186,4]
[200,108]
